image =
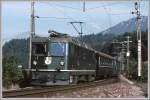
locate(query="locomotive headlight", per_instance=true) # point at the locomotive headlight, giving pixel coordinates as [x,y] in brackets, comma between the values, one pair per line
[34,62]
[48,60]
[62,63]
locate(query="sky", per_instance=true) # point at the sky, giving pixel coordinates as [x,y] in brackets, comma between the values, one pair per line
[97,17]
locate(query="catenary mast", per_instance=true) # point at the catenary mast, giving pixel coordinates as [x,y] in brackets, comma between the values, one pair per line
[32,31]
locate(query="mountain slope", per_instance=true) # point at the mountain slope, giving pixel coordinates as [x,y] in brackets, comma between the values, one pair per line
[127,26]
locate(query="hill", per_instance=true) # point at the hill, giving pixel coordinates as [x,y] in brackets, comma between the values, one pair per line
[127,26]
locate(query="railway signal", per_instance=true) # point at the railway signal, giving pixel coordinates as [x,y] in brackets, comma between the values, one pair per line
[137,12]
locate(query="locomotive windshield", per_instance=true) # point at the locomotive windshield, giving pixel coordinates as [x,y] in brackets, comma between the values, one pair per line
[57,49]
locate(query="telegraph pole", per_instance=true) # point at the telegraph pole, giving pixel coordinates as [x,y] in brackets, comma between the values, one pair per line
[124,44]
[121,53]
[137,12]
[128,52]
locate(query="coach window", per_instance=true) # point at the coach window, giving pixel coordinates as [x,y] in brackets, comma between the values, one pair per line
[103,60]
[106,61]
[72,47]
[99,60]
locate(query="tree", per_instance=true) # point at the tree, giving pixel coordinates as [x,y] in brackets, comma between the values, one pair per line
[11,73]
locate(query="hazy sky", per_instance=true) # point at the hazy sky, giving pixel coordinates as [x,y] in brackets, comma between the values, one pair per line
[98,16]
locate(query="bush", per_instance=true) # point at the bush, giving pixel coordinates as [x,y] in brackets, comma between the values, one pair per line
[11,73]
[133,71]
[144,76]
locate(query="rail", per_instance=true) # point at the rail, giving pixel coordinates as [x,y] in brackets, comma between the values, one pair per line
[41,91]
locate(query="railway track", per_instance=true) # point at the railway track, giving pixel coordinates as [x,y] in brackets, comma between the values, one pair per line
[42,91]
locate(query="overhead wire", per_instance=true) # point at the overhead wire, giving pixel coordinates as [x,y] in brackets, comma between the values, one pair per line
[104,6]
[72,18]
[69,17]
[55,17]
[64,14]
[66,7]
[144,6]
[93,8]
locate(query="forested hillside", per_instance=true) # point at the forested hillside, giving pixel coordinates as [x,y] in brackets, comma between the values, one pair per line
[19,49]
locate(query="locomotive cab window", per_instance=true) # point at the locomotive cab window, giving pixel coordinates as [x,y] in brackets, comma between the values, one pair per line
[57,49]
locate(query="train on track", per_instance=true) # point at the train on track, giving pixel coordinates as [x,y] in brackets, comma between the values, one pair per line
[62,60]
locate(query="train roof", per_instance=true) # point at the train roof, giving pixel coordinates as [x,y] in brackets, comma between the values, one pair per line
[105,55]
[40,39]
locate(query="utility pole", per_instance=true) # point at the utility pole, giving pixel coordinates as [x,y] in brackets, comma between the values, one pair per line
[128,52]
[121,54]
[137,12]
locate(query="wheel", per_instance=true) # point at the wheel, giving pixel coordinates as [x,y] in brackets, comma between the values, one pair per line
[73,79]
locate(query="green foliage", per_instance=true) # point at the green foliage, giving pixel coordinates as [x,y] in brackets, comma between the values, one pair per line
[11,73]
[100,42]
[144,76]
[19,48]
[133,71]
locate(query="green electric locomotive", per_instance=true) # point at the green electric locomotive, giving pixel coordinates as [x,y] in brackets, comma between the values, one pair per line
[62,60]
